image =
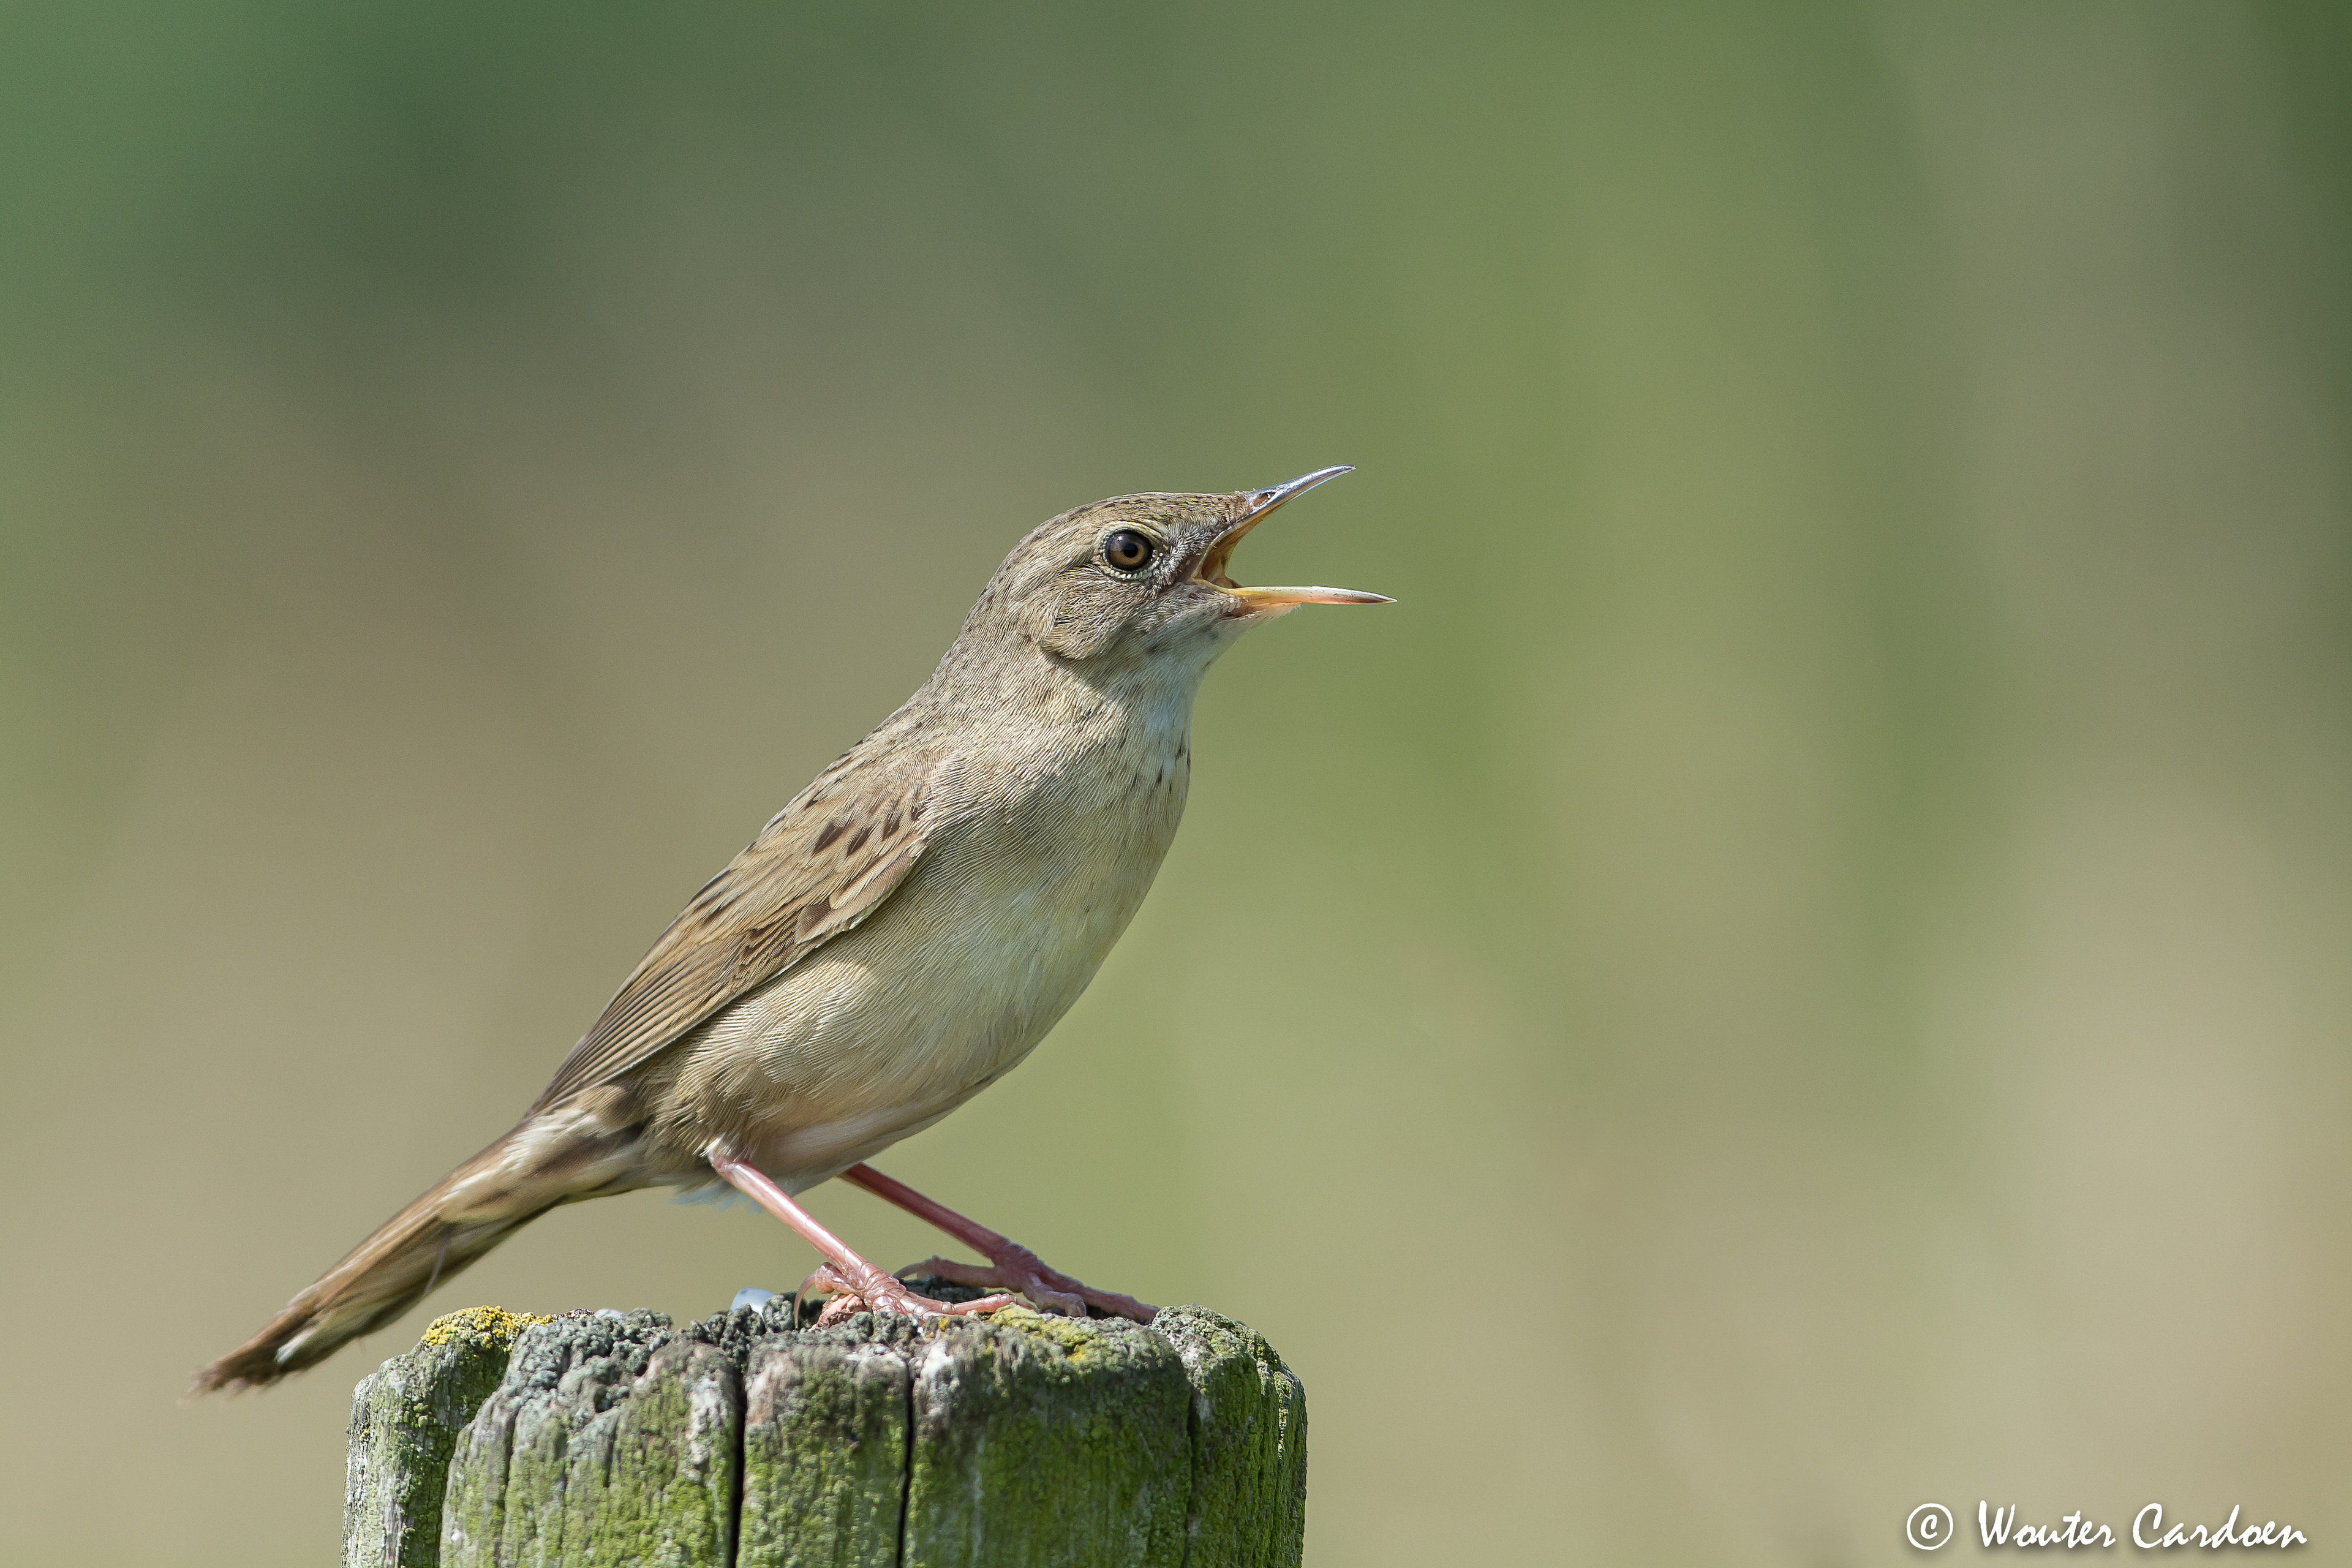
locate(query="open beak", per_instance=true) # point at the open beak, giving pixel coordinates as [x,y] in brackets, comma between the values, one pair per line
[1255,508]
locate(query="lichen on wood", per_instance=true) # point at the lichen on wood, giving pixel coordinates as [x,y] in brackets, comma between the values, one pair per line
[825,1435]
[1248,1443]
[749,1441]
[611,1440]
[405,1418]
[1042,1442]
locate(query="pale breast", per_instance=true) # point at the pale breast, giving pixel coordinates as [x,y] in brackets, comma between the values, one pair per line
[1004,920]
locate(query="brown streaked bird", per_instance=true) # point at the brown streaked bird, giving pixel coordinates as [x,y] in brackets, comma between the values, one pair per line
[893,941]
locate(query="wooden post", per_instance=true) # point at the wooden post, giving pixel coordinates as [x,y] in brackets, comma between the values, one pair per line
[751,1441]
[405,1417]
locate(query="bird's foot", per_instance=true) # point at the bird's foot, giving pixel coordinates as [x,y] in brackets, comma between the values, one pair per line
[1012,1266]
[854,1284]
[879,1293]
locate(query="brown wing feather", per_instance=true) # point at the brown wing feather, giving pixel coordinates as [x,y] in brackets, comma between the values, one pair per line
[825,863]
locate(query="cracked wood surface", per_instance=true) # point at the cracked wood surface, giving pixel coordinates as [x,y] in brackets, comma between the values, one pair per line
[749,1441]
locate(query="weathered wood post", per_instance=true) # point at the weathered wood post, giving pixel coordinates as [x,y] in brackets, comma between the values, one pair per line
[750,1440]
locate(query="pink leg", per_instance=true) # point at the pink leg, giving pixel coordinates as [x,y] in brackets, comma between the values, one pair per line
[844,1268]
[1012,1266]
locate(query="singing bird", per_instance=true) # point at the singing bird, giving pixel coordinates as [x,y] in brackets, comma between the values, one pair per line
[895,940]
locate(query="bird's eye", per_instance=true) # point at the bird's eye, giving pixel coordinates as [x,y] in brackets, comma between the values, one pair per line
[1126,551]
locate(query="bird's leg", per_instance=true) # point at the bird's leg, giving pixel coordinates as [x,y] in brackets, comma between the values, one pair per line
[1012,1265]
[843,1268]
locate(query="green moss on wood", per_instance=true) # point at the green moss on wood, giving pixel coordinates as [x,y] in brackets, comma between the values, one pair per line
[825,1447]
[610,1441]
[655,1485]
[405,1418]
[1248,1443]
[1042,1442]
[1019,1439]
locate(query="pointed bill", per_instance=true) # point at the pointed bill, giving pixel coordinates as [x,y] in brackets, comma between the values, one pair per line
[1257,504]
[1285,598]
[1256,507]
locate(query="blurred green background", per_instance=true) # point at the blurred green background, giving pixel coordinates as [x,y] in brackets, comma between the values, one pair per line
[1803,969]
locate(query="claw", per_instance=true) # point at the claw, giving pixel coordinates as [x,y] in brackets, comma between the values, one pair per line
[1016,1267]
[988,1276]
[886,1294]
[849,1279]
[1010,1264]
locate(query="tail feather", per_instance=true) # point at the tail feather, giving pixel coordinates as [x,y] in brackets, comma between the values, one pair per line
[462,1216]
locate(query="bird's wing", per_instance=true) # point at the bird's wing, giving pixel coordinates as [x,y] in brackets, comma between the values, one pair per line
[825,863]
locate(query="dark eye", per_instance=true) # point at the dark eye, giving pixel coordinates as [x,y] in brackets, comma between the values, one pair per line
[1126,551]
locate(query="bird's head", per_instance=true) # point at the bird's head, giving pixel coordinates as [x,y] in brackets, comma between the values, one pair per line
[1147,578]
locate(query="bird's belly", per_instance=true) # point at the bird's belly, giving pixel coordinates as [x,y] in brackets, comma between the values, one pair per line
[889,1028]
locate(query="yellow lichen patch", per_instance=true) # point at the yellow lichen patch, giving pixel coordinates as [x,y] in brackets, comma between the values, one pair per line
[1069,1335]
[484,1322]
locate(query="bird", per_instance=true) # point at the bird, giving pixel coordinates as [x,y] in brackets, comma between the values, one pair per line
[895,940]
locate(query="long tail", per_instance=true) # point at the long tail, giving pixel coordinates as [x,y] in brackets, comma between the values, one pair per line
[469,1211]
